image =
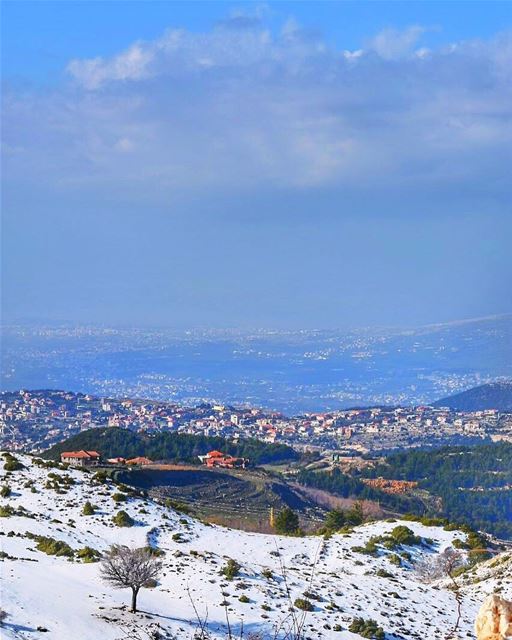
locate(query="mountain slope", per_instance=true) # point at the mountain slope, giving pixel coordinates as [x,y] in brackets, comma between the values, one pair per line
[68,599]
[495,395]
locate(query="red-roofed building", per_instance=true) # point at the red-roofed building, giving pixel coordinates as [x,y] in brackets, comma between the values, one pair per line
[219,459]
[80,458]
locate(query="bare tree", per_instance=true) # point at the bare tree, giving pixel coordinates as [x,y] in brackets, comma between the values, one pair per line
[123,568]
[442,566]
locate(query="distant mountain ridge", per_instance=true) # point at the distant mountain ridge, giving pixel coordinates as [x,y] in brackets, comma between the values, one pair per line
[494,395]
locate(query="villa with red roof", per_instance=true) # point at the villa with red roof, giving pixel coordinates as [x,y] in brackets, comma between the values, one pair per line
[80,458]
[219,459]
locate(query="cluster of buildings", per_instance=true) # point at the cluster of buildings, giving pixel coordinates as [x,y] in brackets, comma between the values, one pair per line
[84,458]
[34,420]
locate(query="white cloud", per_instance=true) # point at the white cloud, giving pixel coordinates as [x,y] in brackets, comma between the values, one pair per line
[238,107]
[392,44]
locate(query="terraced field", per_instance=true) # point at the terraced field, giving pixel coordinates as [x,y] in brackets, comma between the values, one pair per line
[242,499]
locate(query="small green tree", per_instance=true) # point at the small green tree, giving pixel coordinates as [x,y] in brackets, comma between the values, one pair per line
[88,509]
[287,522]
[335,520]
[231,570]
[355,515]
[122,519]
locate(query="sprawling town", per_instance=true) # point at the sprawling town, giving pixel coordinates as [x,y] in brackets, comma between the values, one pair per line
[34,420]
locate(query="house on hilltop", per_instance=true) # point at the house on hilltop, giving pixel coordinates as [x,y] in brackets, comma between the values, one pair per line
[80,458]
[219,459]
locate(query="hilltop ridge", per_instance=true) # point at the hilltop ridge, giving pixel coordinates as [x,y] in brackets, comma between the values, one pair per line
[494,395]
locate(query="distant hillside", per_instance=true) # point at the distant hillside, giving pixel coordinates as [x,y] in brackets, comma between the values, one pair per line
[495,395]
[174,447]
[474,484]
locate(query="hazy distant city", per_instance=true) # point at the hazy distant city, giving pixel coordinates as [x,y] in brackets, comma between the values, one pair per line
[287,371]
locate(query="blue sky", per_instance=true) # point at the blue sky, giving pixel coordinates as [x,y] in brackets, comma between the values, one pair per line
[280,164]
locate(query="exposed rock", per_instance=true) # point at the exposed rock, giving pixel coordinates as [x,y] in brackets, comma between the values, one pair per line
[494,620]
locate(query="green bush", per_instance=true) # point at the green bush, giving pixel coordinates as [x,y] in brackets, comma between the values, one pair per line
[13,464]
[395,559]
[6,511]
[244,599]
[367,629]
[231,570]
[304,604]
[88,554]
[122,519]
[5,491]
[51,546]
[119,497]
[404,535]
[88,509]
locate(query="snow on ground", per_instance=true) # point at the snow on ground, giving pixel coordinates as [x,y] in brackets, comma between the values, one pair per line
[69,600]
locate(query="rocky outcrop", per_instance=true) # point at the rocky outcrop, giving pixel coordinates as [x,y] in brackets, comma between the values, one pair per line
[494,620]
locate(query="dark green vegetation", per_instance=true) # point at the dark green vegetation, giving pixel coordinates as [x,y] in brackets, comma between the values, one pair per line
[172,447]
[231,570]
[398,537]
[495,395]
[350,486]
[53,547]
[122,519]
[304,604]
[467,485]
[11,463]
[287,522]
[367,628]
[88,509]
[473,483]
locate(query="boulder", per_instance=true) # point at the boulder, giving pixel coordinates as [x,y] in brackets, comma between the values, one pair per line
[494,620]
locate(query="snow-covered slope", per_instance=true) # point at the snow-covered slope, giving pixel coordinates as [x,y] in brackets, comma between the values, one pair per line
[69,600]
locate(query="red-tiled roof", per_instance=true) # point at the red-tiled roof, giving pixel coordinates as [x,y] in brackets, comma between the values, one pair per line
[215,454]
[80,454]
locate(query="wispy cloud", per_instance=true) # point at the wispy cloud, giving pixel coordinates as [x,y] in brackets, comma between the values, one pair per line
[240,106]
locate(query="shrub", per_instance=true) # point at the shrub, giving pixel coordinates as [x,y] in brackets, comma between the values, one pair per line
[88,509]
[231,570]
[5,491]
[404,535]
[382,573]
[6,511]
[244,599]
[367,628]
[287,522]
[88,554]
[395,559]
[304,604]
[119,497]
[53,547]
[122,519]
[13,464]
